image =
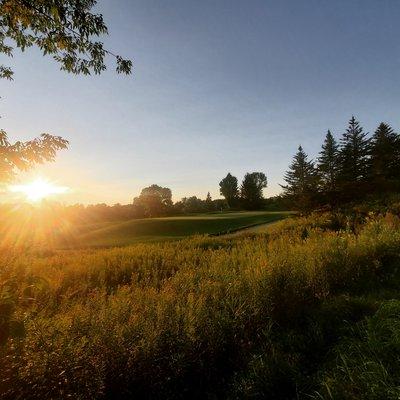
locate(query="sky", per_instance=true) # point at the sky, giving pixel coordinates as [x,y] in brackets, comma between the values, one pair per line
[217,86]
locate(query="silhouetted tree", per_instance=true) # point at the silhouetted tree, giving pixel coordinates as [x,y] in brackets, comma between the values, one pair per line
[209,203]
[328,163]
[21,156]
[156,200]
[229,189]
[353,155]
[65,30]
[385,154]
[251,190]
[193,205]
[301,181]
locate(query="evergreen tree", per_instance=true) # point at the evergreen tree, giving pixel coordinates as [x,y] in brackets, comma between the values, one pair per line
[301,180]
[385,153]
[209,202]
[328,163]
[229,189]
[353,154]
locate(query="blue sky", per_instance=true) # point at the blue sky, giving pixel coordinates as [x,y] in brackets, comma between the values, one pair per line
[217,87]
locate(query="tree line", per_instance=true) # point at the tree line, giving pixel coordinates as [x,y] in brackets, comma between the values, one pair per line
[345,170]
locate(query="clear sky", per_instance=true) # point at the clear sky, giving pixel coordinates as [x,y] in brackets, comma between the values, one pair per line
[217,86]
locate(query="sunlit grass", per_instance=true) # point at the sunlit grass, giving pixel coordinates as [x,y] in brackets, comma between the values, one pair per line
[254,317]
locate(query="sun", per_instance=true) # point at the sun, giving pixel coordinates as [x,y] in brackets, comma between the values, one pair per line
[38,190]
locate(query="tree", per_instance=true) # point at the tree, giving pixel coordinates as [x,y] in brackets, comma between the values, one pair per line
[328,163]
[353,154]
[22,156]
[192,205]
[229,189]
[62,28]
[209,203]
[385,154]
[301,180]
[65,30]
[155,200]
[251,190]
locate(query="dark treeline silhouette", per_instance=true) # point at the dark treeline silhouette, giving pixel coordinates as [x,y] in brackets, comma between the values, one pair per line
[346,170]
[153,201]
[249,195]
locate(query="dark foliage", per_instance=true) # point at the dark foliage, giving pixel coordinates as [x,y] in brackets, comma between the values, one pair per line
[350,171]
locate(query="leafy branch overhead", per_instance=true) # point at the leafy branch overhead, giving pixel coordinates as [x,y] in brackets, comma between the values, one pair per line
[63,29]
[21,156]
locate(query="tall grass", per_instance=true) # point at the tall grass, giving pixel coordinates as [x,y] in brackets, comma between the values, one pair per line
[249,317]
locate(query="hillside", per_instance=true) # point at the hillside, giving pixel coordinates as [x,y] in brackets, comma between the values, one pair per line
[171,228]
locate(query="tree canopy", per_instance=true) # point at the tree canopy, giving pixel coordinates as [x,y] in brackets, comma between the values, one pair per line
[21,156]
[155,200]
[251,190]
[64,29]
[228,188]
[356,167]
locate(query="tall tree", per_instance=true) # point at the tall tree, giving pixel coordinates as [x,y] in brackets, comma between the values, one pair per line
[251,190]
[328,163]
[301,180]
[353,155]
[385,153]
[228,188]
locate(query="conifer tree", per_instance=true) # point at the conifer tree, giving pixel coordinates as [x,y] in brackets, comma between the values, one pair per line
[328,163]
[301,180]
[209,202]
[385,153]
[353,154]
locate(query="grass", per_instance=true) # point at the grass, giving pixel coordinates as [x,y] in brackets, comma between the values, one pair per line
[301,311]
[172,228]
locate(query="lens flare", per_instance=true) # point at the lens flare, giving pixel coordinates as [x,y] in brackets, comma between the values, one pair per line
[38,190]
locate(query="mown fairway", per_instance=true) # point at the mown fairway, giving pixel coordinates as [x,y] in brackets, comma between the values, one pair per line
[162,229]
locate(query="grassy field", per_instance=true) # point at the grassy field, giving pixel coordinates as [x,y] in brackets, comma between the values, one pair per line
[171,228]
[309,309]
[38,229]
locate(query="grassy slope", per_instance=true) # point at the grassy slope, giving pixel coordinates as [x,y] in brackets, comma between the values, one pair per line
[300,312]
[162,229]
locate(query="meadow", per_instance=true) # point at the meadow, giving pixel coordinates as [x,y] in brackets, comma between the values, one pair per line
[308,309]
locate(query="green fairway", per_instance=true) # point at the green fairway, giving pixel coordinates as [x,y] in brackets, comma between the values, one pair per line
[170,228]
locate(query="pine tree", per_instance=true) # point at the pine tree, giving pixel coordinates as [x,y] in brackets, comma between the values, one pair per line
[385,153]
[328,163]
[209,202]
[353,154]
[301,179]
